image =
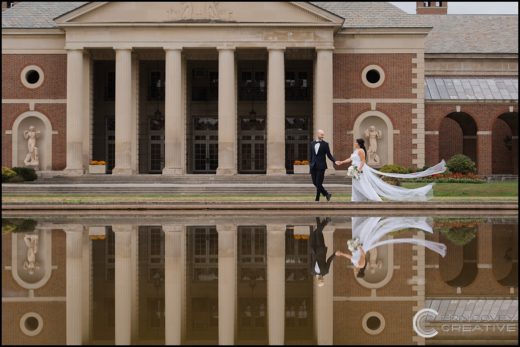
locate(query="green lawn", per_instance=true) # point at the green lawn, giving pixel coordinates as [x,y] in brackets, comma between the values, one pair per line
[500,191]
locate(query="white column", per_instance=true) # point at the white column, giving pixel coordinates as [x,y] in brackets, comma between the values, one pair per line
[227,235]
[323,97]
[173,283]
[75,117]
[276,283]
[174,124]
[123,109]
[323,297]
[227,112]
[87,286]
[123,284]
[74,271]
[87,108]
[276,112]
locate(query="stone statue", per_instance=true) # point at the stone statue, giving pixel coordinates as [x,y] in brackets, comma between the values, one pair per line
[31,159]
[374,263]
[373,135]
[30,264]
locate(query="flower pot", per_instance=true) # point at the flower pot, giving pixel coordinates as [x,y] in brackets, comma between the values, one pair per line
[97,169]
[301,169]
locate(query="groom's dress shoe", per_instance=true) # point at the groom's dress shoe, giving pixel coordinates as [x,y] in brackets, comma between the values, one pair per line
[329,196]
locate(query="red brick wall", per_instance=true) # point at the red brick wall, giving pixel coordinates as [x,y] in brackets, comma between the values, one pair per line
[347,75]
[484,116]
[502,155]
[54,68]
[54,86]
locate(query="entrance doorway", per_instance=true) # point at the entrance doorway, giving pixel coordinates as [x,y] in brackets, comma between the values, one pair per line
[252,151]
[205,144]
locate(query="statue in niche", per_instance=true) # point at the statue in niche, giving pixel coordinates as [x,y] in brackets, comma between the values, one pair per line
[373,135]
[30,264]
[31,159]
[374,263]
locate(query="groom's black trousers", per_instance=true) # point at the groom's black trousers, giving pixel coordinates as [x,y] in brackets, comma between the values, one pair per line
[317,179]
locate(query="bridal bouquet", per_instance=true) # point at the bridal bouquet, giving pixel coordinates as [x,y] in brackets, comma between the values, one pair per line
[353,244]
[353,172]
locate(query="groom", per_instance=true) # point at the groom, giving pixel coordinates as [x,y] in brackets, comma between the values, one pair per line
[318,149]
[319,265]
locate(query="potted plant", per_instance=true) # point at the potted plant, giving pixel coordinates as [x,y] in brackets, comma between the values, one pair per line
[97,167]
[301,166]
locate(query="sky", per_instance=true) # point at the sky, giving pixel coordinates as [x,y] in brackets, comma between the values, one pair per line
[467,7]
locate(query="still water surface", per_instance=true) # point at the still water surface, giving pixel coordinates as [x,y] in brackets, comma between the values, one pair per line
[250,279]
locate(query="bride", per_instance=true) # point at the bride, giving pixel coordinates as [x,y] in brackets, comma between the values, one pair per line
[370,187]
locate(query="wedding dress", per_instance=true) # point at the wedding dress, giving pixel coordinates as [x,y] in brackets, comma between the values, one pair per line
[370,187]
[369,230]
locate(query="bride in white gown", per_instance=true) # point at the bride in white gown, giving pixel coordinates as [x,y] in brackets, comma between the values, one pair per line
[370,187]
[367,231]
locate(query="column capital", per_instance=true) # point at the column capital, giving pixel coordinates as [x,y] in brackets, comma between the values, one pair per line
[173,47]
[226,48]
[324,48]
[123,47]
[72,47]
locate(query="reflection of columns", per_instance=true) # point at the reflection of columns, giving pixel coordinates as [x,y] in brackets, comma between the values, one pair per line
[74,270]
[227,112]
[123,284]
[174,129]
[123,110]
[87,286]
[227,235]
[75,117]
[418,280]
[276,283]
[276,112]
[484,149]
[323,107]
[323,297]
[173,283]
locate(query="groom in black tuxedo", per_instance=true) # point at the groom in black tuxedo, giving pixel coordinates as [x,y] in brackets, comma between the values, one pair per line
[319,265]
[318,149]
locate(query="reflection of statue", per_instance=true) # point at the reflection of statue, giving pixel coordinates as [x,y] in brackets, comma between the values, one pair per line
[31,159]
[30,264]
[374,263]
[373,135]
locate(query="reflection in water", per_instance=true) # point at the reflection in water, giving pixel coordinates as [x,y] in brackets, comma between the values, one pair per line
[253,279]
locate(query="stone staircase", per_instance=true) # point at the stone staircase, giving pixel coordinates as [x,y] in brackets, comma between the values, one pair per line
[183,185]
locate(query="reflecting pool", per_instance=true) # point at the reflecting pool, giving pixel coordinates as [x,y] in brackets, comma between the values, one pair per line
[253,279]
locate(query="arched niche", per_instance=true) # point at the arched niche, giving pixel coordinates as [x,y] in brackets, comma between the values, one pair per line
[21,242]
[377,276]
[385,144]
[459,267]
[505,254]
[43,141]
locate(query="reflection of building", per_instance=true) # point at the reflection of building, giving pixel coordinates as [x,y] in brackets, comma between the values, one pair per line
[235,280]
[177,89]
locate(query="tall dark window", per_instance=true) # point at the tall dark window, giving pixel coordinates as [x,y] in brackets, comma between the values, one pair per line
[156,86]
[252,85]
[110,86]
[204,84]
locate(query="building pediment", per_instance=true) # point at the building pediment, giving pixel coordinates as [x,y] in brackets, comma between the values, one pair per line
[198,13]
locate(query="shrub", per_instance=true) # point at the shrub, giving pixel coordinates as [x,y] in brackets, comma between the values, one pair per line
[27,173]
[461,163]
[394,168]
[7,173]
[16,179]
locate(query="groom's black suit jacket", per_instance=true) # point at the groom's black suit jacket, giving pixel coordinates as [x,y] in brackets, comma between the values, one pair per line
[318,250]
[318,161]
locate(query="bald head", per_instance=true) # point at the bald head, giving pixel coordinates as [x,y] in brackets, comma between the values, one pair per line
[320,134]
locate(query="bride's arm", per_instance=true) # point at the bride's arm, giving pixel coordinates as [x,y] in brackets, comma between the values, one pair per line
[341,162]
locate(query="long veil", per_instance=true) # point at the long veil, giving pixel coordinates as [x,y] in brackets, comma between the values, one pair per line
[371,229]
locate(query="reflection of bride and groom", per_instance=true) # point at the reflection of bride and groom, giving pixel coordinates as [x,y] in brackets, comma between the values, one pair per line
[367,235]
[366,183]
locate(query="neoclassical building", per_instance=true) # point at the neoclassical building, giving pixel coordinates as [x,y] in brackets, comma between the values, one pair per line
[231,88]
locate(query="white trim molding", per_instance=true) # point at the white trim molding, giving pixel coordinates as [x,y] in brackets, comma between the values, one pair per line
[23,76]
[377,68]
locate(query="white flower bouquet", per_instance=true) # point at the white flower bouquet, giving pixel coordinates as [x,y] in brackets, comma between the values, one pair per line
[353,244]
[353,172]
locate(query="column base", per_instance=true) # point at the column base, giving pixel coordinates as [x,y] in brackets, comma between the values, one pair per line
[73,172]
[226,172]
[122,171]
[276,172]
[172,172]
